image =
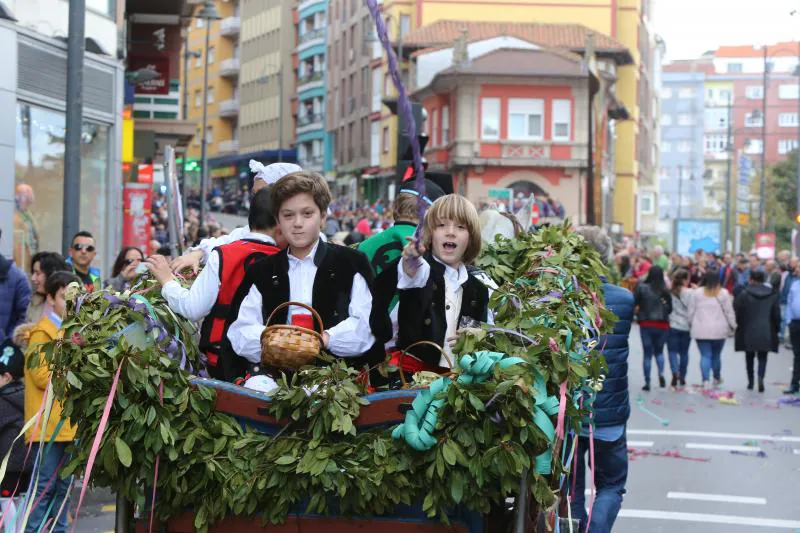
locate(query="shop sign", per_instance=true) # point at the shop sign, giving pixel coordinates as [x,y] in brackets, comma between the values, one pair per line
[223,172]
[145,174]
[137,201]
[765,245]
[159,65]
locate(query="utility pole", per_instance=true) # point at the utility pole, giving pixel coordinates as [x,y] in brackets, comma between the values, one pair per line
[729,153]
[204,132]
[72,154]
[797,146]
[762,222]
[680,189]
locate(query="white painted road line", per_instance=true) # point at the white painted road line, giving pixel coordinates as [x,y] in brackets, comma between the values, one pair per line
[711,518]
[715,498]
[641,443]
[712,435]
[723,447]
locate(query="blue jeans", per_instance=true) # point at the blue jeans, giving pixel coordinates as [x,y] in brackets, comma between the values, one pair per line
[610,475]
[51,462]
[653,340]
[678,344]
[710,352]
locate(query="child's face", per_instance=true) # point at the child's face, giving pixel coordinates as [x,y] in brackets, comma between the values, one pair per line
[300,222]
[59,303]
[450,241]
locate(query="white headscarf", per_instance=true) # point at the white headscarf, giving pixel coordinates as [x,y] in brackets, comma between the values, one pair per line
[274,172]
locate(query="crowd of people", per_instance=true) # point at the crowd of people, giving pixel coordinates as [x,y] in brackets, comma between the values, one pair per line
[709,298]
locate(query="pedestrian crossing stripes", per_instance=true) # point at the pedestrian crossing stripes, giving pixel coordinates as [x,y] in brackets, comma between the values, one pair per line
[641,443]
[712,435]
[722,447]
[727,498]
[710,518]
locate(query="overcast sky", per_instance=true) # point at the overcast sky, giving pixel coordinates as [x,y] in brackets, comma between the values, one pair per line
[691,27]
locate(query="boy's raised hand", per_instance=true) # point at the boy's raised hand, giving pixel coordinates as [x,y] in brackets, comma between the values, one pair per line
[411,257]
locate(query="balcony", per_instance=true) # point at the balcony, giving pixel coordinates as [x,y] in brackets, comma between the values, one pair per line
[228,147]
[229,68]
[229,108]
[310,123]
[302,6]
[230,26]
[312,162]
[312,35]
[309,81]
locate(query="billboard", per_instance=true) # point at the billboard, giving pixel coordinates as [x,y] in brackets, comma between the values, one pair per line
[692,234]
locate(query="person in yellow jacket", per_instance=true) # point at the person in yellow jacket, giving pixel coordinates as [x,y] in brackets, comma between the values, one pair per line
[51,490]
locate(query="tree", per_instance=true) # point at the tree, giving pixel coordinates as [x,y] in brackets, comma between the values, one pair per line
[781,200]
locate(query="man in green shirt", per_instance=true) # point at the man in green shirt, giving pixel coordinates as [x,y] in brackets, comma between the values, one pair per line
[660,259]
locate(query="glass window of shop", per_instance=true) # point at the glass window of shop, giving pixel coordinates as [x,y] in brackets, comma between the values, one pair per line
[39,176]
[104,7]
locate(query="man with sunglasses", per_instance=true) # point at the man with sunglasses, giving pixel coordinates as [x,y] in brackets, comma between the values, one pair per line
[81,254]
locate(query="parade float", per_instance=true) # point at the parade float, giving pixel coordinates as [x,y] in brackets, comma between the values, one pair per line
[481,449]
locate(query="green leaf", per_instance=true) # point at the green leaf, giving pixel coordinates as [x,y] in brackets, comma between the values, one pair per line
[449,454]
[457,487]
[73,380]
[476,402]
[123,452]
[285,460]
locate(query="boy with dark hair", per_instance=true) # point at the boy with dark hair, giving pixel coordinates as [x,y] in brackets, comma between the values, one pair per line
[334,280]
[81,254]
[12,416]
[51,489]
[212,293]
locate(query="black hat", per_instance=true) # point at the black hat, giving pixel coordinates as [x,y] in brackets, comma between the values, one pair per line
[432,190]
[441,179]
[11,359]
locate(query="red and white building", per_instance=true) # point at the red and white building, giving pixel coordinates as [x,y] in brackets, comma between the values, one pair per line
[507,113]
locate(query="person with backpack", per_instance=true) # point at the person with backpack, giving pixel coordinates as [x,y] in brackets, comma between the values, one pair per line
[654,303]
[209,299]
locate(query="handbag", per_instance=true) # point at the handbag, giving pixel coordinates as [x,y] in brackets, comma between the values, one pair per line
[731,329]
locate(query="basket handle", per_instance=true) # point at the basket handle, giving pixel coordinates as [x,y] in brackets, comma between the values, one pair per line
[298,304]
[403,353]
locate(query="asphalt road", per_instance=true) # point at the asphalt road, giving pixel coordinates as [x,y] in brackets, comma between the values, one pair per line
[714,468]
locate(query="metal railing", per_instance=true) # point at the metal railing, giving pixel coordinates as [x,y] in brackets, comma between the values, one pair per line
[312,118]
[312,35]
[229,108]
[229,67]
[230,26]
[311,77]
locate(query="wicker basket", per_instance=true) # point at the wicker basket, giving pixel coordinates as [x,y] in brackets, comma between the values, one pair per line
[403,354]
[289,346]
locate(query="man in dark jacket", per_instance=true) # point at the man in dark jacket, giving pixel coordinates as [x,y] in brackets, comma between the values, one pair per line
[611,407]
[759,316]
[15,294]
[12,415]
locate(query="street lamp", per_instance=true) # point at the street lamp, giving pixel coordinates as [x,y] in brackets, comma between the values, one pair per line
[263,79]
[209,14]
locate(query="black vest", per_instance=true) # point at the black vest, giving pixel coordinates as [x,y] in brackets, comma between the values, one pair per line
[421,314]
[333,284]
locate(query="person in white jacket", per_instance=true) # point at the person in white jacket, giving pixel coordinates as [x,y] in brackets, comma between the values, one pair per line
[265,175]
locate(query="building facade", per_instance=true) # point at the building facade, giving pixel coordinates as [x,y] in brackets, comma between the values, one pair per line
[682,138]
[312,139]
[32,145]
[648,225]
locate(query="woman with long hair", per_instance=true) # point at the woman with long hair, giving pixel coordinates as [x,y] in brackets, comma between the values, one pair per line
[654,304]
[680,337]
[711,320]
[125,268]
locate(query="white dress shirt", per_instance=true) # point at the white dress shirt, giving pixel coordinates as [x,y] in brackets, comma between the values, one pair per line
[349,338]
[454,278]
[195,303]
[207,245]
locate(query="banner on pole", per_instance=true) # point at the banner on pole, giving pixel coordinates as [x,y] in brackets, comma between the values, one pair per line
[137,207]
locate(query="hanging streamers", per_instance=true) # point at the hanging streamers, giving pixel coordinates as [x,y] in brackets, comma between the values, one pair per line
[403,106]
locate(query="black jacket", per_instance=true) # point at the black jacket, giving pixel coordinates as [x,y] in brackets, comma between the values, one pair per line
[12,417]
[758,316]
[652,305]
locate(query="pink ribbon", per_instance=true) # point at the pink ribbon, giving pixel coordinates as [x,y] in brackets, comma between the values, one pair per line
[562,410]
[96,444]
[591,469]
[158,461]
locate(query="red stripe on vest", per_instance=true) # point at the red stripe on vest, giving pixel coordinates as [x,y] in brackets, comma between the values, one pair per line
[232,259]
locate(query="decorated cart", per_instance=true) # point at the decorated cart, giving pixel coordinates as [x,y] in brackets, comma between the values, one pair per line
[486,448]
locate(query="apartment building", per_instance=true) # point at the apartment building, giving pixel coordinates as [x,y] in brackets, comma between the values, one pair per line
[313,142]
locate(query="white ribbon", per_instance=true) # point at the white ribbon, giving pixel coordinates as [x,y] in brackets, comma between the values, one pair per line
[274,172]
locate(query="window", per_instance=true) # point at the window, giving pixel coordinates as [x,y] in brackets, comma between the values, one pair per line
[686,92]
[386,84]
[724,96]
[666,120]
[445,125]
[562,119]
[754,146]
[787,120]
[787,145]
[198,60]
[210,95]
[788,92]
[211,55]
[647,204]
[666,93]
[405,25]
[715,144]
[210,135]
[386,139]
[752,121]
[490,118]
[376,90]
[666,147]
[525,119]
[434,127]
[198,98]
[685,120]
[375,144]
[734,67]
[754,92]
[684,146]
[199,23]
